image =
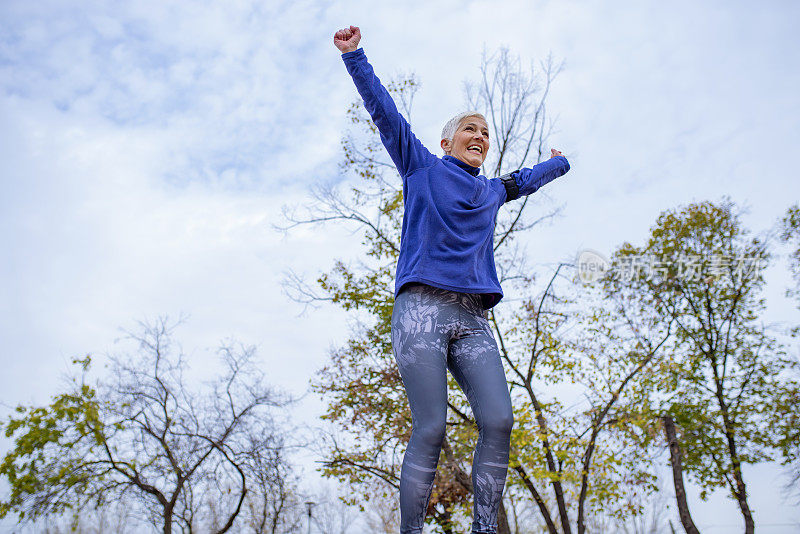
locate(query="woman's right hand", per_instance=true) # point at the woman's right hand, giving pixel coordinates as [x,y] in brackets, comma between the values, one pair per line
[346,39]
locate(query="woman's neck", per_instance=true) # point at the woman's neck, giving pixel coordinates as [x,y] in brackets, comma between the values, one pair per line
[474,171]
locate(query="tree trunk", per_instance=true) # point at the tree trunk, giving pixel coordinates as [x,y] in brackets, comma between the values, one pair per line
[677,476]
[444,520]
[551,464]
[551,527]
[502,520]
[464,479]
[740,491]
[168,521]
[741,496]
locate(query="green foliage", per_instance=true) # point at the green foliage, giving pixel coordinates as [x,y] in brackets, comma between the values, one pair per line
[578,399]
[725,376]
[49,464]
[790,233]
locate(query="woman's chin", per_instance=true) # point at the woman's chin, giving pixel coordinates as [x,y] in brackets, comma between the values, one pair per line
[475,161]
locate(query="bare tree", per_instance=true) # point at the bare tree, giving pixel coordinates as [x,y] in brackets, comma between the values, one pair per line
[333,512]
[275,504]
[383,516]
[119,517]
[183,456]
[655,516]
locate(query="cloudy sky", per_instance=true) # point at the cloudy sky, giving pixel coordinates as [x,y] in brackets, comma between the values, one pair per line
[147,148]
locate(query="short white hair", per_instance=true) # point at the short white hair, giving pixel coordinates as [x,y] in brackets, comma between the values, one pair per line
[450,128]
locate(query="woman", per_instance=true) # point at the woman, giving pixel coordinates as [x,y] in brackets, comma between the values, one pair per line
[445,280]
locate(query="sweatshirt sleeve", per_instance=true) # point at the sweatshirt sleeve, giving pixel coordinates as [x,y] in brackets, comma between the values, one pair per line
[530,180]
[406,151]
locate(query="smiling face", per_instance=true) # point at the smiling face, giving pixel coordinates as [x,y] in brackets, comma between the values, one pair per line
[470,143]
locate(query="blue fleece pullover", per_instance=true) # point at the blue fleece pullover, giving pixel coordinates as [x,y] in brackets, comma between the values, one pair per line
[450,208]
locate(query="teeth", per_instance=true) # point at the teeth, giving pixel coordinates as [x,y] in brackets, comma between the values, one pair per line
[475,146]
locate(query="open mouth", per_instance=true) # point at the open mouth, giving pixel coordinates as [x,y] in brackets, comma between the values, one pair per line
[477,149]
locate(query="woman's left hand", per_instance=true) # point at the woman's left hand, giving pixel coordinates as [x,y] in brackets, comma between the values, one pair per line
[554,153]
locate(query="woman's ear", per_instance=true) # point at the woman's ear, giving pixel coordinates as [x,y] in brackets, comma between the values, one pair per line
[445,145]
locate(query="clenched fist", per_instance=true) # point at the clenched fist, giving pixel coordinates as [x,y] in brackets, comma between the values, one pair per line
[346,39]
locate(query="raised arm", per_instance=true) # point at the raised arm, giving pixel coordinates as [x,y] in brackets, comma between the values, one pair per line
[529,180]
[406,151]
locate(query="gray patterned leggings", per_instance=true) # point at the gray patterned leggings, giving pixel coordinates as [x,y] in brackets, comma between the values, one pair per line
[433,330]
